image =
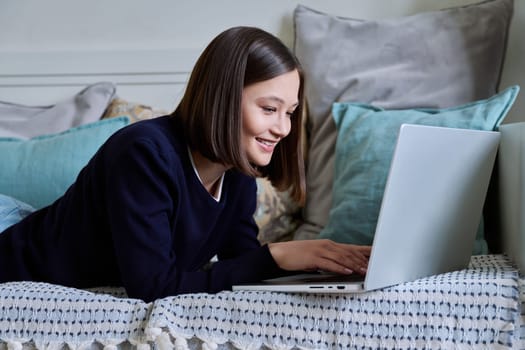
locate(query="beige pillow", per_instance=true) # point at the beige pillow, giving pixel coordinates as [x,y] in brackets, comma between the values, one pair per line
[277,215]
[134,111]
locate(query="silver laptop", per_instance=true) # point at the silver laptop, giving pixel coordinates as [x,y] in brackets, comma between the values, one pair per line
[430,212]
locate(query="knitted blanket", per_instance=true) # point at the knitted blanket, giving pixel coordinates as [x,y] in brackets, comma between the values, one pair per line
[479,307]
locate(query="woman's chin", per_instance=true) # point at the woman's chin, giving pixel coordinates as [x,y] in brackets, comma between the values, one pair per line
[261,162]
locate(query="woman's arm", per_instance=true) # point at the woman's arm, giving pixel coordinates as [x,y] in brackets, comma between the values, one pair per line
[295,255]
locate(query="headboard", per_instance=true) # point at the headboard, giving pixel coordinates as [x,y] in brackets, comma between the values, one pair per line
[153,77]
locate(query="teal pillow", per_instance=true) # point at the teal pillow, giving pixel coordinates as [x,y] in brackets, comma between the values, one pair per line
[366,137]
[39,170]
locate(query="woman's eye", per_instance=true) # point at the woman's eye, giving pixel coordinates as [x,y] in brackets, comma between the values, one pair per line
[290,114]
[269,109]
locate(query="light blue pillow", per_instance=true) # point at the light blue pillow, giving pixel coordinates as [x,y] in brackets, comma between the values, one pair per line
[366,137]
[12,211]
[39,170]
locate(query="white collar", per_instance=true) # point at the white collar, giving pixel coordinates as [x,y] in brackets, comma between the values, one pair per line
[221,180]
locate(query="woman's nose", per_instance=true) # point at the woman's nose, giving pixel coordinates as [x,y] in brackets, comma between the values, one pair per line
[282,125]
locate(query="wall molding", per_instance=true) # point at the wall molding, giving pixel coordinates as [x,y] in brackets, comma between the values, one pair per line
[155,77]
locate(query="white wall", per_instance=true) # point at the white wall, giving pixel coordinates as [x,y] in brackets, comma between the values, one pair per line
[58,25]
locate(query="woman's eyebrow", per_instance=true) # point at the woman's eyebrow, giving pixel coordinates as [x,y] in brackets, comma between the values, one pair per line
[279,100]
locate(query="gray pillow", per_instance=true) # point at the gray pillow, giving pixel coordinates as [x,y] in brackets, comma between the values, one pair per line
[87,106]
[434,59]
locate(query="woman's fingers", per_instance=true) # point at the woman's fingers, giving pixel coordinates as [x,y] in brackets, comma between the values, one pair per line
[353,257]
[326,265]
[321,255]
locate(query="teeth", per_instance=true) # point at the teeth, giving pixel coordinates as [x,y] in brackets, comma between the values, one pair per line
[268,143]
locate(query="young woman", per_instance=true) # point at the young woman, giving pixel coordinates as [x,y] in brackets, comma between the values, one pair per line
[162,197]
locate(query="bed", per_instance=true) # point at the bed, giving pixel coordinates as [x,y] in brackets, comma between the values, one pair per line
[482,306]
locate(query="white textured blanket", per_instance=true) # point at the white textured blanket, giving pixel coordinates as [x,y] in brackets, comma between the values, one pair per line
[479,307]
[48,316]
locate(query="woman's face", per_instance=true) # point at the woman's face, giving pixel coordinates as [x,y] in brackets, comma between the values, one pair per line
[267,108]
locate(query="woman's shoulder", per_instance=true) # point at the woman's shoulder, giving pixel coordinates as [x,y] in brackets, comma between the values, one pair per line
[153,141]
[150,128]
[159,132]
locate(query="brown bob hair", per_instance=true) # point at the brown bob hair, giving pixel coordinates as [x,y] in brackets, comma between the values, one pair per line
[210,110]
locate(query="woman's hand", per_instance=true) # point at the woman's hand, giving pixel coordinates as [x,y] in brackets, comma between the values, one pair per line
[321,254]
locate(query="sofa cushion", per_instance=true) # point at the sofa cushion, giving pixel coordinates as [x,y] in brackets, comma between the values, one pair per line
[39,170]
[365,144]
[85,107]
[435,59]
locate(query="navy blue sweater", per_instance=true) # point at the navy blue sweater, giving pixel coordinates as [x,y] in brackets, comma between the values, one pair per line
[138,217]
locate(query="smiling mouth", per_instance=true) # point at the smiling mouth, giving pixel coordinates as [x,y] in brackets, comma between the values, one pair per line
[266,144]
